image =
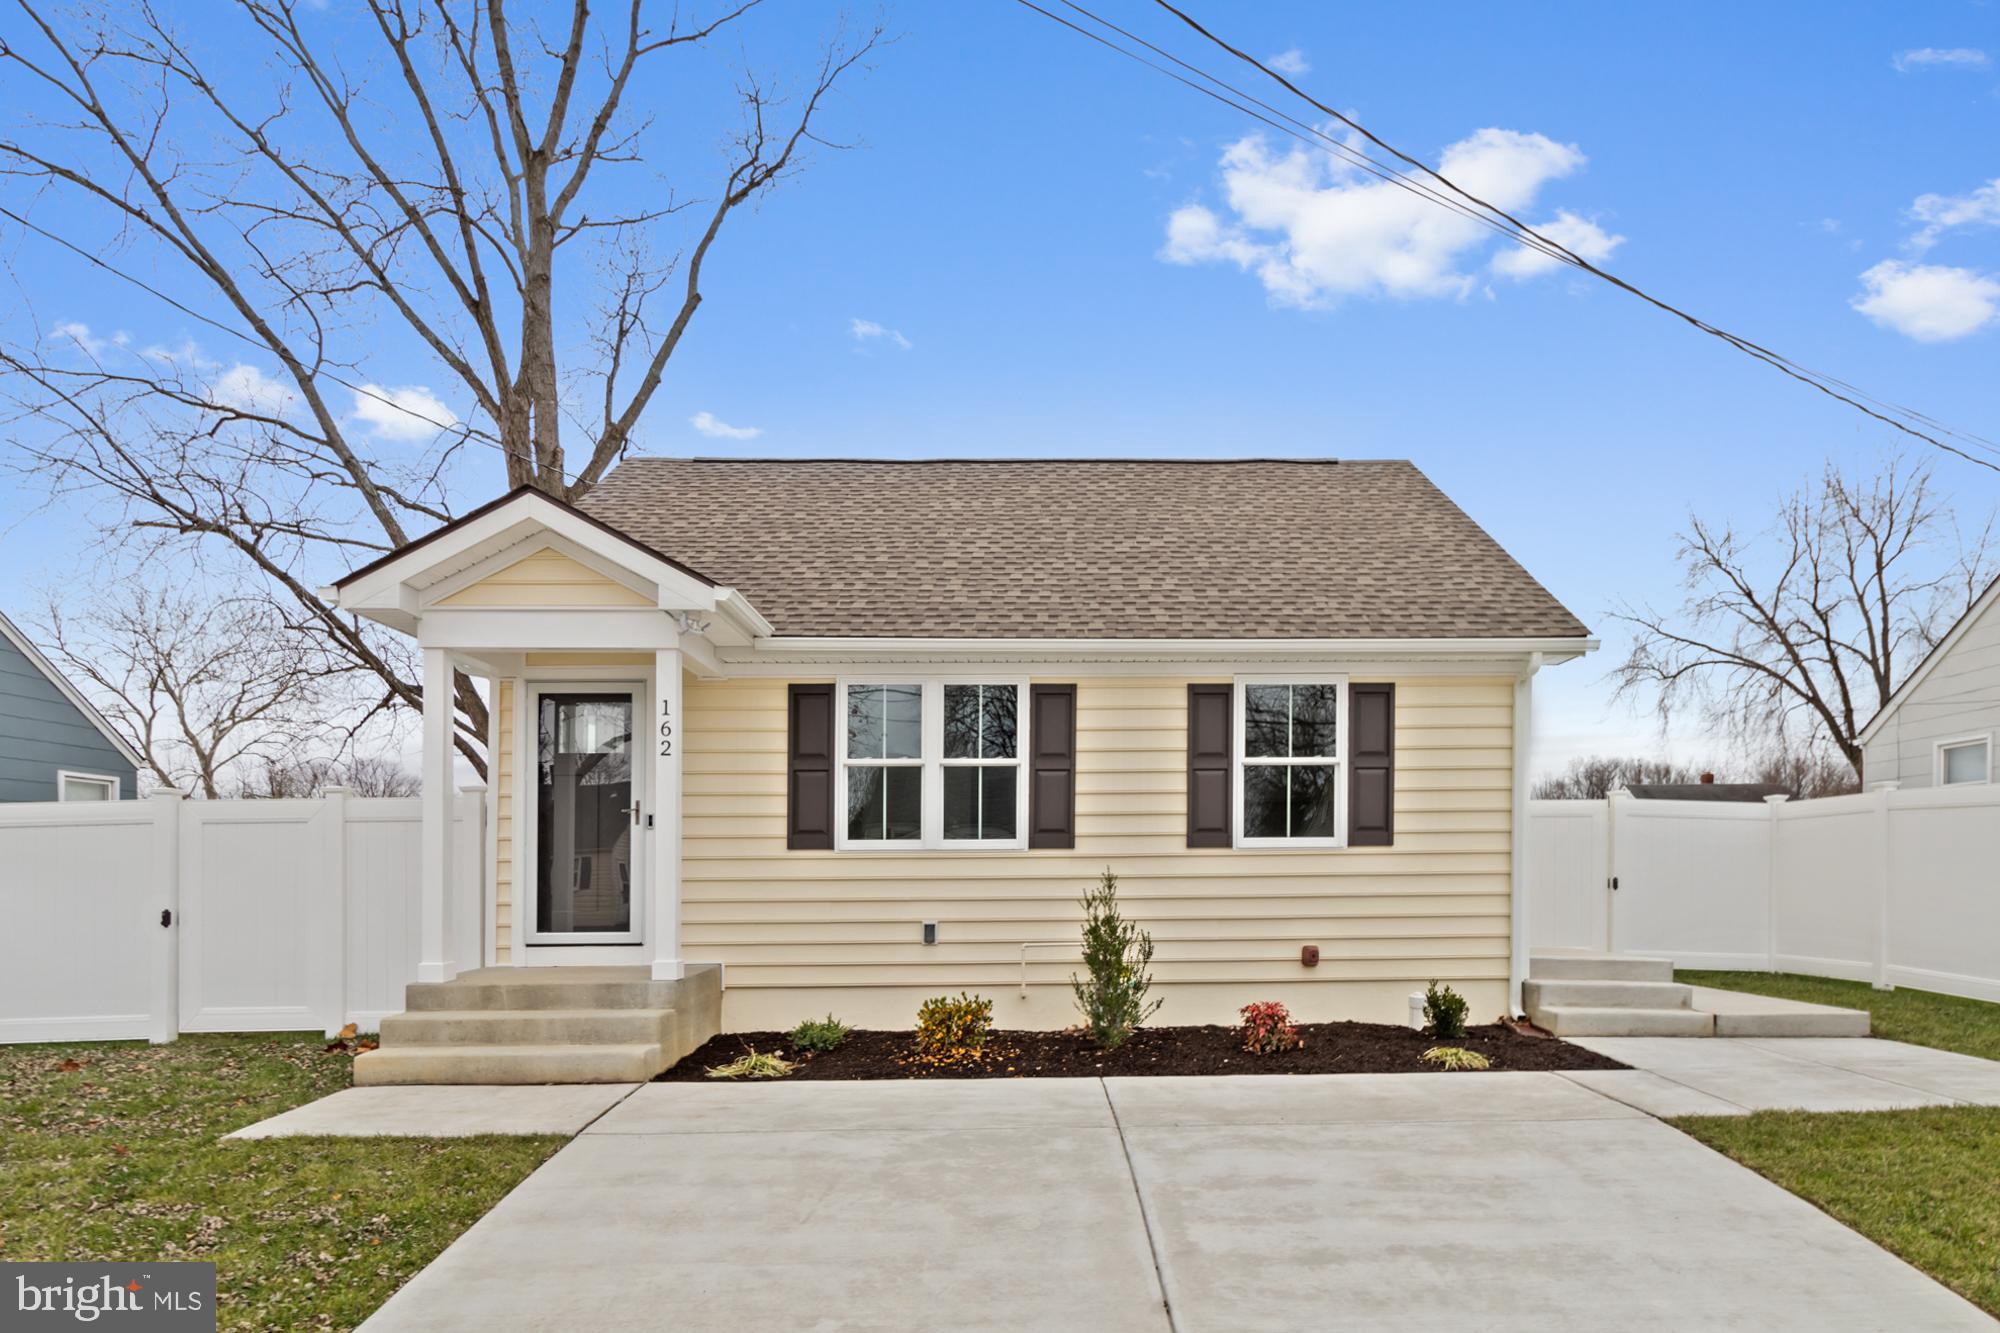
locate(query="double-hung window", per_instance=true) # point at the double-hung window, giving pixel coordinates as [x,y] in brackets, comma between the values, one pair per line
[932,764]
[1291,788]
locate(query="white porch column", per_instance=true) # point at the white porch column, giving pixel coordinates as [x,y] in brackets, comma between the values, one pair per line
[664,849]
[434,961]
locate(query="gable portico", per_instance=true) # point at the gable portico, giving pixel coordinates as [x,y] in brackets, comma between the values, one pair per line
[535,598]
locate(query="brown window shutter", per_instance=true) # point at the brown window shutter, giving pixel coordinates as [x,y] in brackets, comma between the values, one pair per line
[1052,766]
[1210,738]
[1371,765]
[809,770]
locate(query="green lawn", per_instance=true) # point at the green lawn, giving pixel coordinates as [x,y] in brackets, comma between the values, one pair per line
[1924,1184]
[1923,1018]
[111,1151]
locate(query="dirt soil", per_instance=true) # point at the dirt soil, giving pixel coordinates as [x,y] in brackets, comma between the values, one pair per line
[1328,1048]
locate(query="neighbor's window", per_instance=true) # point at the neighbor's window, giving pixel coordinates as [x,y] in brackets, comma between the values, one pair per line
[1964,761]
[86,787]
[1288,762]
[931,764]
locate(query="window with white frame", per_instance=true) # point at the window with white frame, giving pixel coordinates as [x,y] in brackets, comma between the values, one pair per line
[86,787]
[1963,761]
[1290,774]
[933,763]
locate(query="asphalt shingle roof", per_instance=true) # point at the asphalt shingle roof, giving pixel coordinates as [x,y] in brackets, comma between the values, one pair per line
[1118,549]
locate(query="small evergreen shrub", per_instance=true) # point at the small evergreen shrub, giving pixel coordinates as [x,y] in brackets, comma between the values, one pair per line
[1116,955]
[953,1028]
[1456,1057]
[1444,1013]
[1267,1027]
[820,1034]
[754,1065]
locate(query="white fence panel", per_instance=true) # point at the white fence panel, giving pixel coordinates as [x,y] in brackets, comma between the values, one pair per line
[1568,875]
[1693,881]
[249,873]
[1944,916]
[78,921]
[1829,895]
[287,915]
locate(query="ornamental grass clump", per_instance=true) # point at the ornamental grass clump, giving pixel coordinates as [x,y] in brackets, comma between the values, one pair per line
[952,1029]
[1267,1027]
[1116,956]
[1455,1057]
[756,1064]
[820,1034]
[1444,1013]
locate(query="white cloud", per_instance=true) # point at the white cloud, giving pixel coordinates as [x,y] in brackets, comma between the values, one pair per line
[867,330]
[409,414]
[1315,228]
[1941,212]
[1928,302]
[1290,61]
[81,335]
[249,389]
[711,425]
[1933,57]
[1581,236]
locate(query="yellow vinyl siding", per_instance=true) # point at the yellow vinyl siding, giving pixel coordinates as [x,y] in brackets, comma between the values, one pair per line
[546,578]
[804,932]
[503,854]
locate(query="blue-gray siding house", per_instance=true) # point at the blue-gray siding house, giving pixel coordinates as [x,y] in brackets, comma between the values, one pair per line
[53,745]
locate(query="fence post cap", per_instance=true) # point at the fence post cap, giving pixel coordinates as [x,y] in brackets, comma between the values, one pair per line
[1778,798]
[165,793]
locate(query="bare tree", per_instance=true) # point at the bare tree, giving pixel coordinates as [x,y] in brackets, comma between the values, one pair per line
[1800,638]
[204,688]
[1807,772]
[1593,777]
[363,775]
[483,206]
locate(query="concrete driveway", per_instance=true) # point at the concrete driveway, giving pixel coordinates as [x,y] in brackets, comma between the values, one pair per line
[1427,1201]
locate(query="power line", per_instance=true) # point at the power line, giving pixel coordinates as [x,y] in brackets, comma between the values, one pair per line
[1914,423]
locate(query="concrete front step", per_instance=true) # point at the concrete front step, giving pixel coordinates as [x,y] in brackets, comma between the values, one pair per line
[1586,1021]
[1606,994]
[634,1062]
[434,996]
[1598,967]
[533,1027]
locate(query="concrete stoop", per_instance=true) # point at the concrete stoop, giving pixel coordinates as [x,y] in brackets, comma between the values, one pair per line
[1609,995]
[500,1025]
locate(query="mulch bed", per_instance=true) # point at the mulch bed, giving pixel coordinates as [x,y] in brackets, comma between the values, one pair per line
[1329,1048]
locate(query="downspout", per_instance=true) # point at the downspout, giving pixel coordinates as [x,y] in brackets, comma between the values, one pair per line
[1517,897]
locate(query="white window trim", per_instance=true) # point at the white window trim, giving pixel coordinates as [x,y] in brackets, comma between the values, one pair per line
[1984,738]
[65,776]
[932,764]
[1339,761]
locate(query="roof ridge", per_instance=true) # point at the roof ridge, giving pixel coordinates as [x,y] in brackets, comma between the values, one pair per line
[903,462]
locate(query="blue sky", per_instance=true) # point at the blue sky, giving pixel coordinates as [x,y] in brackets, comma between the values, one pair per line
[1005,223]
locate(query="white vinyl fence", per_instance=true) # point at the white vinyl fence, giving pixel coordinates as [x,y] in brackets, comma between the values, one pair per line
[1901,888]
[151,917]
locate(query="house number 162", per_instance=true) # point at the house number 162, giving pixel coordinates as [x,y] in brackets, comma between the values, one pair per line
[666,728]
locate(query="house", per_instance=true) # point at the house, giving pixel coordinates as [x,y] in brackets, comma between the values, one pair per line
[53,745]
[1708,789]
[1938,728]
[862,731]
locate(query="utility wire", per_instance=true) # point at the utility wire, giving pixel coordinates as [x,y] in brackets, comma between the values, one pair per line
[1471,205]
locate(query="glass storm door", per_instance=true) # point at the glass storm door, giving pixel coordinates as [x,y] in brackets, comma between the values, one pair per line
[587,817]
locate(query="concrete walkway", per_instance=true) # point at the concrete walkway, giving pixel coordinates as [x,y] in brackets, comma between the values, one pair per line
[444,1112]
[1427,1201]
[1737,1075]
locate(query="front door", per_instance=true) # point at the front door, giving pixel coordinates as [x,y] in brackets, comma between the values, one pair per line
[588,789]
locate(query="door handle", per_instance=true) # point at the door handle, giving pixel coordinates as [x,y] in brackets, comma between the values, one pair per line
[634,812]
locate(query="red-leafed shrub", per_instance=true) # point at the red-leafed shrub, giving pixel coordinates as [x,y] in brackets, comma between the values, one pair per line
[1267,1027]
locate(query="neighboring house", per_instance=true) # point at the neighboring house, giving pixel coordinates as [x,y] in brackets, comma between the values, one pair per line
[863,732]
[53,745]
[1939,727]
[1708,789]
